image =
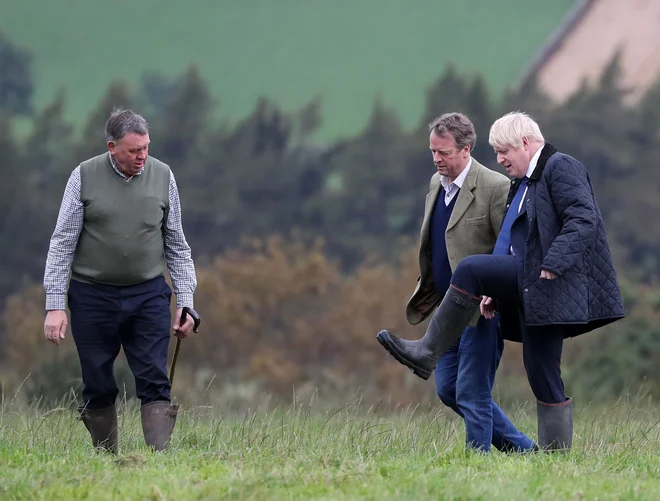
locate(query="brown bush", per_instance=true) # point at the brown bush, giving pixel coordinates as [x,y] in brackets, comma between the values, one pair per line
[275,311]
[280,314]
[24,347]
[283,313]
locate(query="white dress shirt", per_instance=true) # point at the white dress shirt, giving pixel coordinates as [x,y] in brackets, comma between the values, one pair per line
[530,170]
[452,188]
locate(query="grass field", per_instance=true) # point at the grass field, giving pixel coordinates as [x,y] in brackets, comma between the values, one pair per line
[302,453]
[289,50]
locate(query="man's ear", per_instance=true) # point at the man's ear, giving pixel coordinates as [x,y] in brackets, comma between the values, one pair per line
[112,147]
[525,141]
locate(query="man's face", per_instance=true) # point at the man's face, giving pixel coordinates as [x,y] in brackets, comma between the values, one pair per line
[130,152]
[448,159]
[515,160]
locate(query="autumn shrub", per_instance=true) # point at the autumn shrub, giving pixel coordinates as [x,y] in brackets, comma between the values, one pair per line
[279,317]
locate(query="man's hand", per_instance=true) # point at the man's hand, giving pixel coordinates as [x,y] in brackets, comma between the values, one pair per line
[487,307]
[548,275]
[55,326]
[181,331]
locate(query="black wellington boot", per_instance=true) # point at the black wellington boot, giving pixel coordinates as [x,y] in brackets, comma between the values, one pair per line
[448,323]
[102,426]
[555,422]
[158,420]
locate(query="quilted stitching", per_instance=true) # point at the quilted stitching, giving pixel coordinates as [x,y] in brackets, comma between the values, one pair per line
[567,235]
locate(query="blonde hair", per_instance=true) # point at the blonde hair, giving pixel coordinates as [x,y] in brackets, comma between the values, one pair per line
[509,130]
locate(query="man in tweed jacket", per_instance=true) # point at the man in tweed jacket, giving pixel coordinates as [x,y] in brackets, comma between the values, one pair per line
[550,275]
[463,213]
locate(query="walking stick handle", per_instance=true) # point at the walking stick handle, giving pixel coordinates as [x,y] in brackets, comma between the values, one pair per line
[195,316]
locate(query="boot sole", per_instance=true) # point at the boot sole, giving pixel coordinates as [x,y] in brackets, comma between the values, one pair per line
[416,370]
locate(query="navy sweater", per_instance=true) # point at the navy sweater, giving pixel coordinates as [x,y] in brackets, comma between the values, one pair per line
[439,259]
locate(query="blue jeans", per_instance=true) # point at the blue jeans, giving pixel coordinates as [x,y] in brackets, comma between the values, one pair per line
[464,378]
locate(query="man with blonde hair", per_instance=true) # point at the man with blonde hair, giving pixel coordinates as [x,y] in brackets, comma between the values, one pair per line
[550,276]
[463,213]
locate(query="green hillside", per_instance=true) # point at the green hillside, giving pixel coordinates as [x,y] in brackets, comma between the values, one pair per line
[289,50]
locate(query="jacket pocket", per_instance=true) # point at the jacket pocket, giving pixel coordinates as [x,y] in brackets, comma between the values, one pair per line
[477,220]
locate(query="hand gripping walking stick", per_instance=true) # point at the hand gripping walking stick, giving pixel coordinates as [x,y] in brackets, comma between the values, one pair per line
[186,311]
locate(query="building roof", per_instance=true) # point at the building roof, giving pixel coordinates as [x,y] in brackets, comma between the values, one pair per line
[591,34]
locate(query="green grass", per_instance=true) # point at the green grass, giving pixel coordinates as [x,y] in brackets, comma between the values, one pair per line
[289,50]
[302,453]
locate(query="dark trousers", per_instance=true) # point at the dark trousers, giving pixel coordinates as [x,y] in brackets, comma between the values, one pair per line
[106,318]
[464,379]
[497,276]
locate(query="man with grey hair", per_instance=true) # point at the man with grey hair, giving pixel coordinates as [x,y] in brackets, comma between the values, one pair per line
[550,277]
[118,229]
[463,214]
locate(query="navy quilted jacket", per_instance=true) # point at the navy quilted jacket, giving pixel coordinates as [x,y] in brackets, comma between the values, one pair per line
[560,229]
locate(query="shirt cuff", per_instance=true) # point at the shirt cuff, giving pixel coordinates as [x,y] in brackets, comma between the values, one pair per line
[184,299]
[55,302]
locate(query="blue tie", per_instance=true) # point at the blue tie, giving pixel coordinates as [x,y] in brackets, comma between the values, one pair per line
[503,244]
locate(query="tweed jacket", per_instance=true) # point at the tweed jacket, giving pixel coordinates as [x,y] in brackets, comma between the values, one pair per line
[473,228]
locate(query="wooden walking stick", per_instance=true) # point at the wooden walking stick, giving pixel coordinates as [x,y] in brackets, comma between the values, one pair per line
[186,311]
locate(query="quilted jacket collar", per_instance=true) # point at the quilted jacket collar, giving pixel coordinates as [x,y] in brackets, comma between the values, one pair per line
[547,151]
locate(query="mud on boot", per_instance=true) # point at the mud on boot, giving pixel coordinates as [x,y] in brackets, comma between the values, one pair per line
[555,426]
[102,426]
[158,420]
[448,323]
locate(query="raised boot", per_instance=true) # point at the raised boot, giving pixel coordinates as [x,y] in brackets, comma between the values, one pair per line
[158,420]
[555,422]
[448,323]
[102,426]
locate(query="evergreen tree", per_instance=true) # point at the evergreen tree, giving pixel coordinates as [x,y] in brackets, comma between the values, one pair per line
[16,82]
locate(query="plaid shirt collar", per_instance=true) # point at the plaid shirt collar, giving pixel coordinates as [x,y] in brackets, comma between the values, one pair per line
[116,168]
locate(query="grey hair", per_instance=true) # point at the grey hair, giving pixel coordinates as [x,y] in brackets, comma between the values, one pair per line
[122,122]
[458,126]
